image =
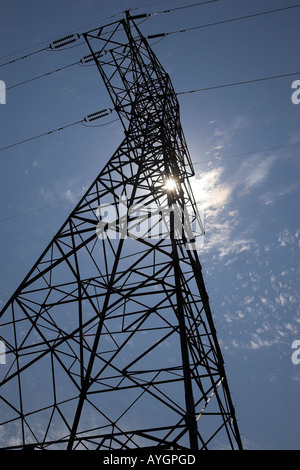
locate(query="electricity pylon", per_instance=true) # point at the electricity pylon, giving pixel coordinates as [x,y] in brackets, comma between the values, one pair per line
[110,341]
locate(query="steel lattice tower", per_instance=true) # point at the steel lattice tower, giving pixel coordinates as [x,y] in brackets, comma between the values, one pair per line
[110,341]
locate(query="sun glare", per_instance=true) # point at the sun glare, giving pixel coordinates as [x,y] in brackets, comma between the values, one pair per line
[170,184]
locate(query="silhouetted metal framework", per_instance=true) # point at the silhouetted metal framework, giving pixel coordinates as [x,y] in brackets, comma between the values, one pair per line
[110,341]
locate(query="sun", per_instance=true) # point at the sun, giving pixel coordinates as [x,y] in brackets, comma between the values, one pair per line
[170,184]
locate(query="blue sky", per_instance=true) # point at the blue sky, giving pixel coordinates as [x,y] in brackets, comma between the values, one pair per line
[250,202]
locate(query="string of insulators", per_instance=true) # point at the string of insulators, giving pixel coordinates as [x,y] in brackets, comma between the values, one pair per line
[153,36]
[97,115]
[64,41]
[90,58]
[139,17]
[86,59]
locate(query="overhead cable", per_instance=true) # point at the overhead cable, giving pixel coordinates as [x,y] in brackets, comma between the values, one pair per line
[245,82]
[244,154]
[86,26]
[89,58]
[230,20]
[102,113]
[55,45]
[87,119]
[24,56]
[47,42]
[72,37]
[42,75]
[83,61]
[186,6]
[173,9]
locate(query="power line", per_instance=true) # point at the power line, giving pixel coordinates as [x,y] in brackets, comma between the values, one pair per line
[86,26]
[63,41]
[88,118]
[149,5]
[83,61]
[245,82]
[42,75]
[57,37]
[86,59]
[244,154]
[47,41]
[184,7]
[146,15]
[25,56]
[152,36]
[55,45]
[100,125]
[5,219]
[40,135]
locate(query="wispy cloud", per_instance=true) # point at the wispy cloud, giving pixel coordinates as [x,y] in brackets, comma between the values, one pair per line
[213,194]
[210,192]
[223,133]
[63,191]
[253,172]
[270,197]
[217,192]
[288,238]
